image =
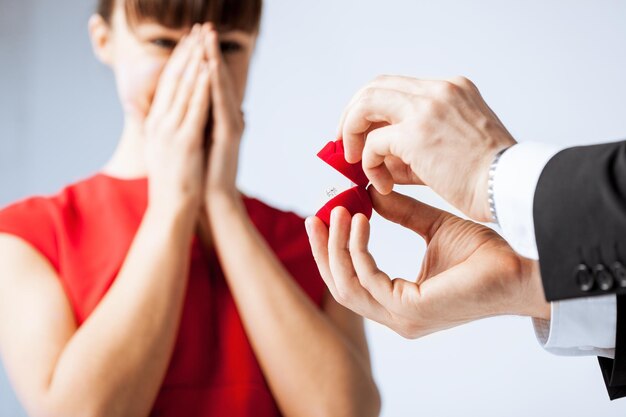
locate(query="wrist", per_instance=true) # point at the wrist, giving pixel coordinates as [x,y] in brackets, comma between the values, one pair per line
[175,218]
[224,201]
[532,300]
[486,193]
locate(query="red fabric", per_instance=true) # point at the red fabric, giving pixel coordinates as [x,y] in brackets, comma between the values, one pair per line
[356,199]
[85,232]
[333,155]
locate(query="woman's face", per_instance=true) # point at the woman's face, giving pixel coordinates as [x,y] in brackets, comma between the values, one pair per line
[138,53]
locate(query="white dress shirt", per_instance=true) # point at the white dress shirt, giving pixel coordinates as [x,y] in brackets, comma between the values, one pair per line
[582,326]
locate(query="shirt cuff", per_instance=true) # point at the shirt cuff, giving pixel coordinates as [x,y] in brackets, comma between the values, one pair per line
[580,327]
[515,181]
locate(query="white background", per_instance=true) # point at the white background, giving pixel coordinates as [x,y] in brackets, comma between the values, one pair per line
[553,71]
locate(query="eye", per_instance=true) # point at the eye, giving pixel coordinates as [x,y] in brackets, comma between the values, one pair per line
[164,43]
[230,47]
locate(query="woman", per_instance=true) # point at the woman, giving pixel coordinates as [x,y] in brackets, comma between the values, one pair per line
[112,302]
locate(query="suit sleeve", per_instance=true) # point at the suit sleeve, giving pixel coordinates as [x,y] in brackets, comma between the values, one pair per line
[579,214]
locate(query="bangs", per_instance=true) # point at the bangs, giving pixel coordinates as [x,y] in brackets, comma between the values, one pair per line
[225,14]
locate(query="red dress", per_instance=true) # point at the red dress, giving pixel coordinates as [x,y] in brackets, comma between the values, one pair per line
[85,232]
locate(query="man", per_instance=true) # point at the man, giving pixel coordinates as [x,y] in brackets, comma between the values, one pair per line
[564,208]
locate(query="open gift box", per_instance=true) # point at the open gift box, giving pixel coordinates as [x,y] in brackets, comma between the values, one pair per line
[356,199]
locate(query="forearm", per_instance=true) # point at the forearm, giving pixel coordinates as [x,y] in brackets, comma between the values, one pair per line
[116,361]
[291,337]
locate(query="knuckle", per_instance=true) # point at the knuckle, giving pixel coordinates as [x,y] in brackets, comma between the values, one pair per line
[343,295]
[382,78]
[447,89]
[368,93]
[463,82]
[421,127]
[432,108]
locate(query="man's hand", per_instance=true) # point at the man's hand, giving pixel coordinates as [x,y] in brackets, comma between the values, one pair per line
[469,272]
[441,133]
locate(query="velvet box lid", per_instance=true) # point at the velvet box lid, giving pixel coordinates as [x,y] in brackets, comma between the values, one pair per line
[356,199]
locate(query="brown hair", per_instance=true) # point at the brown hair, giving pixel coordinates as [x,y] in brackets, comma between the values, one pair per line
[225,14]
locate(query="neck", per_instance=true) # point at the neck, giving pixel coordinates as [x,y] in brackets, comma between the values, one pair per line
[128,159]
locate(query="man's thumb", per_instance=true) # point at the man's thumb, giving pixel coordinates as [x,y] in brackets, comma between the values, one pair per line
[408,212]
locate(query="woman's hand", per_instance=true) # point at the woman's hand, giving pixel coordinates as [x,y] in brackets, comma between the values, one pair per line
[227,129]
[469,272]
[174,127]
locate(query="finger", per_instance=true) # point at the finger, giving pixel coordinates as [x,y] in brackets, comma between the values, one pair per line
[387,84]
[349,290]
[318,238]
[198,113]
[379,145]
[408,212]
[223,102]
[375,281]
[187,86]
[340,262]
[376,105]
[463,82]
[211,41]
[401,172]
[175,67]
[415,86]
[473,94]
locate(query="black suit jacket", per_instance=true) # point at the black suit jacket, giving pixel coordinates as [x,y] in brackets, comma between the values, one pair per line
[580,228]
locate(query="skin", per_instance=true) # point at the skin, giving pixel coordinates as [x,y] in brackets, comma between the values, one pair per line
[442,134]
[58,368]
[439,133]
[469,272]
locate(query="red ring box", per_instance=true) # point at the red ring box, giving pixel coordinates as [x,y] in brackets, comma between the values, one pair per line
[356,199]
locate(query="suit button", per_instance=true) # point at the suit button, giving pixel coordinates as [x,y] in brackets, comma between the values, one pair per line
[603,277]
[619,272]
[584,278]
